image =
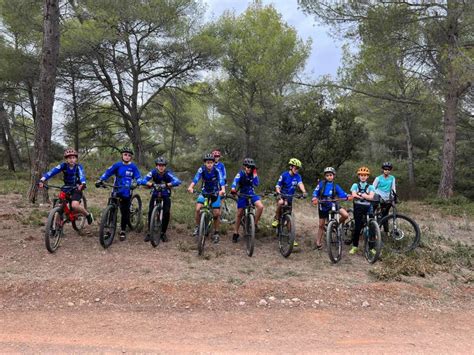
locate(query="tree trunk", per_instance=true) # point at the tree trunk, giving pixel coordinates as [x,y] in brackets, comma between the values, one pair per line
[137,143]
[12,142]
[411,159]
[3,137]
[75,113]
[47,86]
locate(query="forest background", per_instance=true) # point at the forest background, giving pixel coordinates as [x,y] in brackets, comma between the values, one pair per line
[156,76]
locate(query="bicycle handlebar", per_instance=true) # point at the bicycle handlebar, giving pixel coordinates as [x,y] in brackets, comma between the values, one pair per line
[46,186]
[299,196]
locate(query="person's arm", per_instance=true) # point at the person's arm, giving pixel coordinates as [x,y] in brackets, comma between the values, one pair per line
[109,172]
[235,182]
[196,178]
[371,193]
[394,188]
[174,180]
[145,179]
[279,184]
[315,200]
[136,173]
[82,174]
[54,171]
[354,191]
[340,192]
[221,182]
[375,184]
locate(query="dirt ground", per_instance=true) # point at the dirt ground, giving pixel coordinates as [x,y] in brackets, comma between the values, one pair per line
[134,298]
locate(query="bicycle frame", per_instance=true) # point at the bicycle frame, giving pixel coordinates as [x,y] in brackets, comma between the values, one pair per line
[64,199]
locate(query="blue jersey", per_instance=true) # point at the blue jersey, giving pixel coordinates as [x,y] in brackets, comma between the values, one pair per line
[124,175]
[165,178]
[72,176]
[246,182]
[331,191]
[212,181]
[219,165]
[288,182]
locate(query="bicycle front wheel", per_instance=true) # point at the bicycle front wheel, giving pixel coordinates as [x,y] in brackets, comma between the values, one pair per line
[373,242]
[250,234]
[202,233]
[228,210]
[80,220]
[286,235]
[108,226]
[54,229]
[135,212]
[401,233]
[155,226]
[334,242]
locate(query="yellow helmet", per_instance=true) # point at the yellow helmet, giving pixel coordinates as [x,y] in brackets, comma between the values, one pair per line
[363,170]
[295,162]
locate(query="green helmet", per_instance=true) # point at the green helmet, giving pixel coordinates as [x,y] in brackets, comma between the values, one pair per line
[295,162]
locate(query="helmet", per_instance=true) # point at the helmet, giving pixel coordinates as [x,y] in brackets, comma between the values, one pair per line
[126,150]
[363,170]
[208,156]
[69,151]
[330,169]
[216,154]
[249,162]
[295,162]
[387,165]
[161,161]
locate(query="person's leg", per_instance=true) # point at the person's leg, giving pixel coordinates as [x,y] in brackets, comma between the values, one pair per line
[320,233]
[343,216]
[240,213]
[125,212]
[258,211]
[166,214]
[358,224]
[151,206]
[280,203]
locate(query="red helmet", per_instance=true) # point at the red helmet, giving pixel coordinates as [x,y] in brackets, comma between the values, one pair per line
[216,153]
[69,151]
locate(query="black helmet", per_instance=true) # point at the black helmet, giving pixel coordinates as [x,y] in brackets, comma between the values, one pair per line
[330,169]
[208,156]
[387,165]
[126,150]
[161,161]
[249,162]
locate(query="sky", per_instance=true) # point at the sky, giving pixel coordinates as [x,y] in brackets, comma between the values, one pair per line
[325,56]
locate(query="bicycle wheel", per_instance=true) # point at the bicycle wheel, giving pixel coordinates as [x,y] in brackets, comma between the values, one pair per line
[250,233]
[373,242]
[54,229]
[155,226]
[135,212]
[347,231]
[286,235]
[229,209]
[334,242]
[202,233]
[80,220]
[108,226]
[402,233]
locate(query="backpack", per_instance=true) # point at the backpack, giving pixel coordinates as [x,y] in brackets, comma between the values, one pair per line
[359,188]
[323,188]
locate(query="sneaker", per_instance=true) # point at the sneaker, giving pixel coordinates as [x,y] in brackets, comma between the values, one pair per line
[163,237]
[295,244]
[196,231]
[373,252]
[353,250]
[147,238]
[235,238]
[215,238]
[275,223]
[122,236]
[90,218]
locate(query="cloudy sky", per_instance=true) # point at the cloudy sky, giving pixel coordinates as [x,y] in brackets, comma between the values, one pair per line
[325,55]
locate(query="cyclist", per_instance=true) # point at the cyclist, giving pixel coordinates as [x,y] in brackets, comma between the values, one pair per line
[286,185]
[327,189]
[384,185]
[362,193]
[246,180]
[73,175]
[220,165]
[162,176]
[125,173]
[212,183]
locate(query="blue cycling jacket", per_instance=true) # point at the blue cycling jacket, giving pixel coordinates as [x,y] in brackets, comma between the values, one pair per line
[212,181]
[72,175]
[331,191]
[220,165]
[124,176]
[246,182]
[166,178]
[288,183]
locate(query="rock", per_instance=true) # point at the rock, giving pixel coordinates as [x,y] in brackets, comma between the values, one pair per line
[70,304]
[97,299]
[241,303]
[267,330]
[81,302]
[295,299]
[282,301]
[272,298]
[316,301]
[365,304]
[262,302]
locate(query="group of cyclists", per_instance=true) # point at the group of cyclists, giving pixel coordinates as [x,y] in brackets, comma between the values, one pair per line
[213,177]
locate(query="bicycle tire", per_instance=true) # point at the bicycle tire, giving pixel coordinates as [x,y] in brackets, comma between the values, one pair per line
[202,233]
[286,235]
[250,234]
[155,226]
[228,210]
[334,242]
[373,242]
[135,212]
[79,223]
[108,226]
[54,230]
[404,238]
[347,231]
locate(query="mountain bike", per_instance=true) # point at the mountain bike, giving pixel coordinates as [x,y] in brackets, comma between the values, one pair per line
[372,237]
[206,220]
[60,214]
[401,233]
[108,223]
[333,232]
[156,216]
[348,228]
[286,229]
[248,224]
[228,209]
